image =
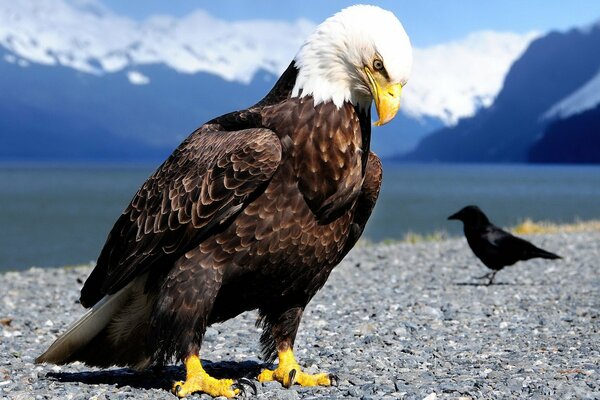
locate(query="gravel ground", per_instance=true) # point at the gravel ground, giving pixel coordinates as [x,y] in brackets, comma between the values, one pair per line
[393,322]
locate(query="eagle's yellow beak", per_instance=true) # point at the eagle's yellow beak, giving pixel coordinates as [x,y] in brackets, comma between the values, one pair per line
[386,96]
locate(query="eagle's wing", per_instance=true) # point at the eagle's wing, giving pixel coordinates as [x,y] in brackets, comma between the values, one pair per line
[209,178]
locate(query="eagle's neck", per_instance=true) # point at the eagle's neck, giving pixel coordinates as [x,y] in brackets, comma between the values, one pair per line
[294,82]
[284,89]
[364,119]
[328,80]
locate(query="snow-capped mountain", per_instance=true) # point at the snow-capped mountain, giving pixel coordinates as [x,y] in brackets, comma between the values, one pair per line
[449,81]
[86,36]
[453,80]
[571,140]
[547,111]
[582,99]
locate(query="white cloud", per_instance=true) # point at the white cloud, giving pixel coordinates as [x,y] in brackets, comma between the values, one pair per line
[582,99]
[449,80]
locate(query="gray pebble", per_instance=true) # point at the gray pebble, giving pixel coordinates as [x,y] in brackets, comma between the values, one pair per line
[395,321]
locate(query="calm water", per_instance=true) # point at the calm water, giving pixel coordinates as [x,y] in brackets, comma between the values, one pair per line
[53,216]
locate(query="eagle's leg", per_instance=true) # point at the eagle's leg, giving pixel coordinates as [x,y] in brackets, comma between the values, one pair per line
[288,372]
[198,380]
[281,332]
[179,321]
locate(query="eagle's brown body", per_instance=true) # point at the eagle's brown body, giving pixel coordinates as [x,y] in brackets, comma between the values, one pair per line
[252,211]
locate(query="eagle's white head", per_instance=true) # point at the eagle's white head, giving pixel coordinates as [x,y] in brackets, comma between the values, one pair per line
[358,55]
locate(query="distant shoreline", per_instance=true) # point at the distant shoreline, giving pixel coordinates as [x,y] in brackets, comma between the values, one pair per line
[61,214]
[109,164]
[155,162]
[527,227]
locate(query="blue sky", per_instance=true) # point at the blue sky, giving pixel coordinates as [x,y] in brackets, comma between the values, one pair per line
[428,22]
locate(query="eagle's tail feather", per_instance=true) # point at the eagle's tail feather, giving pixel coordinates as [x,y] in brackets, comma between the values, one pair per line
[82,332]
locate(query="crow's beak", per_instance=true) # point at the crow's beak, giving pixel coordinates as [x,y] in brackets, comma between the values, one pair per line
[454,216]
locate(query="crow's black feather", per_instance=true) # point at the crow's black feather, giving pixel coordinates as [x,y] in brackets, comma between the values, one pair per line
[495,247]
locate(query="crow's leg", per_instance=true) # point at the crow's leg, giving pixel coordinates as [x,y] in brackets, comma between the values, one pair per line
[493,275]
[486,276]
[278,336]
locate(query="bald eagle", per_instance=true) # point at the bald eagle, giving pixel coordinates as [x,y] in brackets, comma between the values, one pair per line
[252,211]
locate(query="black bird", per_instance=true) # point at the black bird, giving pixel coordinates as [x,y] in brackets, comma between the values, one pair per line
[495,247]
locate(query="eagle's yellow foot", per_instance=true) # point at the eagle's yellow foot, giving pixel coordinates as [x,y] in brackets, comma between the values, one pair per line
[288,372]
[197,380]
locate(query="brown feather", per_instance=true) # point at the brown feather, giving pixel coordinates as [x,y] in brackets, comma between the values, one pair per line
[252,211]
[142,236]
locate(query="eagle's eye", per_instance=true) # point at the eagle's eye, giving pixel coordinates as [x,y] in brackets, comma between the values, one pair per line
[378,65]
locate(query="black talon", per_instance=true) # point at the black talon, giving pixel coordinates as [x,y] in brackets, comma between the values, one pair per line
[178,389]
[333,380]
[292,376]
[248,382]
[241,386]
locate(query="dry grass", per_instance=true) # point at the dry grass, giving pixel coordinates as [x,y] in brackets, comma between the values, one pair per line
[409,237]
[529,227]
[436,236]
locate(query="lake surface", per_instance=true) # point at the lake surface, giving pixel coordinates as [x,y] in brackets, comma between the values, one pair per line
[61,215]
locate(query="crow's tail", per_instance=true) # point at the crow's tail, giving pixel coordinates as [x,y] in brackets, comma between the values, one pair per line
[541,253]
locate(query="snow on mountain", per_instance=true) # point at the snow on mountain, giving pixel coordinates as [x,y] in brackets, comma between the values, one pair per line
[582,99]
[137,78]
[86,36]
[449,81]
[453,80]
